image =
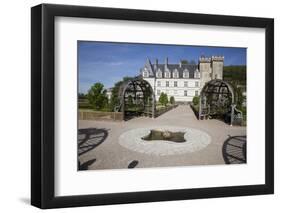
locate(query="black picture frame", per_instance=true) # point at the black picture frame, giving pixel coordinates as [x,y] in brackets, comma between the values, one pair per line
[43,105]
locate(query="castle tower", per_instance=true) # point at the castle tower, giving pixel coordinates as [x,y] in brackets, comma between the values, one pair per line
[217,67]
[205,69]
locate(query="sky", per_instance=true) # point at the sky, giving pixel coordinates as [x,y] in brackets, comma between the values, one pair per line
[108,62]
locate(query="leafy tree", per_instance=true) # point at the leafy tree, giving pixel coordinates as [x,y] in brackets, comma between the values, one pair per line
[83,101]
[195,100]
[172,100]
[81,96]
[236,75]
[184,61]
[114,100]
[163,99]
[239,97]
[130,101]
[97,96]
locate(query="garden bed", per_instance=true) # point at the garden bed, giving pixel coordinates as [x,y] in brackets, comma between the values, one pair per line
[195,109]
[161,110]
[99,115]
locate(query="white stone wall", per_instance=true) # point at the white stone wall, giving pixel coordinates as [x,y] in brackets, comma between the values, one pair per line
[210,68]
[191,87]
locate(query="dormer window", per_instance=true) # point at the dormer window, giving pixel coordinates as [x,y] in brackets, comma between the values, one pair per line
[175,74]
[159,73]
[145,73]
[167,74]
[186,73]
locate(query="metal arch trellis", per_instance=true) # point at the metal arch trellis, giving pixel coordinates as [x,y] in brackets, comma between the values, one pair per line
[136,98]
[217,100]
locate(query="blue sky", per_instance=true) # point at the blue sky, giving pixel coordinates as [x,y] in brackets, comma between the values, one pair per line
[108,62]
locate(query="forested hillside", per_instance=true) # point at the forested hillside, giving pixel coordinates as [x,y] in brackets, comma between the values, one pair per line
[235,74]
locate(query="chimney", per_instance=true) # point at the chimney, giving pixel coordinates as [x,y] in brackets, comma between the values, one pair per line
[180,64]
[166,64]
[156,64]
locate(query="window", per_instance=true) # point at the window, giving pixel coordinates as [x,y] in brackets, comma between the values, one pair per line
[185,92]
[175,84]
[167,83]
[185,84]
[158,92]
[196,93]
[167,74]
[145,74]
[158,83]
[185,73]
[159,74]
[176,73]
[196,84]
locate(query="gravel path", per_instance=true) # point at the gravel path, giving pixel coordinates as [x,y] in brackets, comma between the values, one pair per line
[99,147]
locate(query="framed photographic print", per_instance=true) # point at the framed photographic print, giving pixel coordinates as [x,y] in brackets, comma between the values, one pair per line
[139,106]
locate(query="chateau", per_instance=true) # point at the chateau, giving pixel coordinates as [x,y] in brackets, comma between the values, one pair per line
[182,80]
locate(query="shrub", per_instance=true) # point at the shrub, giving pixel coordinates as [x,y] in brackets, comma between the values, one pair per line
[172,100]
[195,100]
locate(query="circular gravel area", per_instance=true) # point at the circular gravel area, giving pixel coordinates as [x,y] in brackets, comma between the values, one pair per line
[195,141]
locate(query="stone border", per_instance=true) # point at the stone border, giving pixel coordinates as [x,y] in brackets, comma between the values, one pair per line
[195,141]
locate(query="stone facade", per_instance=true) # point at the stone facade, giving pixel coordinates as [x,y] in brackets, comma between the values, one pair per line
[183,81]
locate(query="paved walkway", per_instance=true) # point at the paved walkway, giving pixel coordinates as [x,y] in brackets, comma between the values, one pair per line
[99,147]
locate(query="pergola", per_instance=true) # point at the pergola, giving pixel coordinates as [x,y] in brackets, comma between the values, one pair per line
[217,100]
[136,98]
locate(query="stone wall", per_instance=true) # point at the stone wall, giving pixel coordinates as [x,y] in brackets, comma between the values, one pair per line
[205,70]
[211,68]
[217,67]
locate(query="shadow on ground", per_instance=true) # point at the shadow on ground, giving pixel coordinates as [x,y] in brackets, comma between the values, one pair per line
[234,150]
[133,164]
[89,139]
[85,165]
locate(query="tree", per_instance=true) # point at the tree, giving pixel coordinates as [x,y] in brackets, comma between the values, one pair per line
[172,100]
[239,97]
[97,96]
[114,100]
[163,99]
[130,101]
[184,62]
[81,95]
[235,74]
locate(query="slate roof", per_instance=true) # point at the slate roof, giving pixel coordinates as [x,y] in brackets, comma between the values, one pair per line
[153,68]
